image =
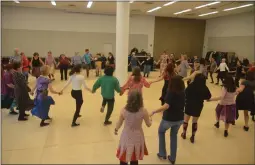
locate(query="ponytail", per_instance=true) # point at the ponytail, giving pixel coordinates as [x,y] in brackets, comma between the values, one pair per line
[75,69]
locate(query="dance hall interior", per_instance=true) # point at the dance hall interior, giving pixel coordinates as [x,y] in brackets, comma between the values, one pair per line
[127,82]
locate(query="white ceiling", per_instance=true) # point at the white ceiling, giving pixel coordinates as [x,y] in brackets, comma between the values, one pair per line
[141,8]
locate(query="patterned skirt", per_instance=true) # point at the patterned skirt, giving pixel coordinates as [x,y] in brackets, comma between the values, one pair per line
[123,155]
[36,71]
[226,113]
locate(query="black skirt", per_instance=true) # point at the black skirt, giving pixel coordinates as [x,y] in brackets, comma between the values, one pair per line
[245,100]
[193,110]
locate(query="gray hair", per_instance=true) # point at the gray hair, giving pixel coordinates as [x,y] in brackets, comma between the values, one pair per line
[135,101]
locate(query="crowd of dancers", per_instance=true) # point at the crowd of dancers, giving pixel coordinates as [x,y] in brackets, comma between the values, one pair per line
[178,103]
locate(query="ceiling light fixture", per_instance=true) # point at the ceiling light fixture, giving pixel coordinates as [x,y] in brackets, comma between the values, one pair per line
[131,1]
[208,4]
[89,4]
[201,15]
[16,1]
[183,11]
[154,9]
[238,7]
[53,3]
[170,3]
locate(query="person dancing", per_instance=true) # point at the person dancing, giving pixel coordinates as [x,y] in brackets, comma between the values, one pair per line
[245,98]
[163,62]
[25,65]
[108,84]
[213,68]
[50,61]
[42,100]
[195,93]
[63,65]
[222,71]
[167,75]
[77,81]
[226,109]
[148,63]
[132,145]
[136,81]
[183,67]
[21,91]
[36,63]
[172,117]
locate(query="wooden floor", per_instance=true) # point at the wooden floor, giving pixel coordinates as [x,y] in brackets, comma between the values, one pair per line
[93,143]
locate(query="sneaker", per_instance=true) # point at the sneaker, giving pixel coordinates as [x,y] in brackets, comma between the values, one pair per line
[246,128]
[161,157]
[107,123]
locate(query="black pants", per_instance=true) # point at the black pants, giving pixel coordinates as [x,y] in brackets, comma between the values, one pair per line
[110,106]
[77,95]
[131,163]
[211,75]
[21,112]
[63,70]
[221,76]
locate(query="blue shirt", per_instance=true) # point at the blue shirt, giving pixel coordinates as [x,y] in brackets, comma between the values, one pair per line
[87,58]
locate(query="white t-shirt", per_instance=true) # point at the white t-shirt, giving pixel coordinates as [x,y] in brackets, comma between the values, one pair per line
[77,81]
[223,67]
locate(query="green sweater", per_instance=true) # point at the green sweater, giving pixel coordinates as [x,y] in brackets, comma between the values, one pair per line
[108,84]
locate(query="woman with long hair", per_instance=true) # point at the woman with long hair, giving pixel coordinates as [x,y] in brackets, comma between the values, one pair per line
[226,108]
[77,81]
[168,73]
[136,81]
[172,117]
[36,63]
[42,100]
[132,145]
[163,62]
[195,95]
[245,98]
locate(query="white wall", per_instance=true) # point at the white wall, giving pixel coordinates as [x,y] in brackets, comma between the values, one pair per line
[233,33]
[19,18]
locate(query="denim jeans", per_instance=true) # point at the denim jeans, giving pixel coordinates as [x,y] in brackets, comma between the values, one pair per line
[164,126]
[147,69]
[25,73]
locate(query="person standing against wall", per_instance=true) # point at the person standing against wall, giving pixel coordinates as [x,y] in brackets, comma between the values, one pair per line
[87,59]
[63,65]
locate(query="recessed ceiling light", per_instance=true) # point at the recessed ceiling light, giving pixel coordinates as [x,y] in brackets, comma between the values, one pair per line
[154,9]
[208,4]
[170,3]
[201,15]
[16,1]
[183,11]
[53,3]
[89,4]
[238,7]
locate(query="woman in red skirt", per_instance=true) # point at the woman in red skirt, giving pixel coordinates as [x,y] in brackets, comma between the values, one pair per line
[132,143]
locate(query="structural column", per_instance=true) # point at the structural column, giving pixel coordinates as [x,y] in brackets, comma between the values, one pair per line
[122,41]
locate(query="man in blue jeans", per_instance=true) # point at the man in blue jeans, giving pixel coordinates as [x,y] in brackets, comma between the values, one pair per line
[173,116]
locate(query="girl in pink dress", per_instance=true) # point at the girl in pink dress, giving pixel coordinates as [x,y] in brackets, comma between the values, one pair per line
[132,143]
[135,82]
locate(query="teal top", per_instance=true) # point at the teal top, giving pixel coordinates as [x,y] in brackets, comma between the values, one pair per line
[108,84]
[87,57]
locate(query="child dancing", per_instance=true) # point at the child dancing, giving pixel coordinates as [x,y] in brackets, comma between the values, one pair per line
[226,109]
[108,84]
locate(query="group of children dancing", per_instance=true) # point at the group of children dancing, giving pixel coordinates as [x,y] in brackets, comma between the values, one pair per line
[178,104]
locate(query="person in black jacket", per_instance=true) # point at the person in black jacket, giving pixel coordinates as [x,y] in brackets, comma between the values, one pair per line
[195,94]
